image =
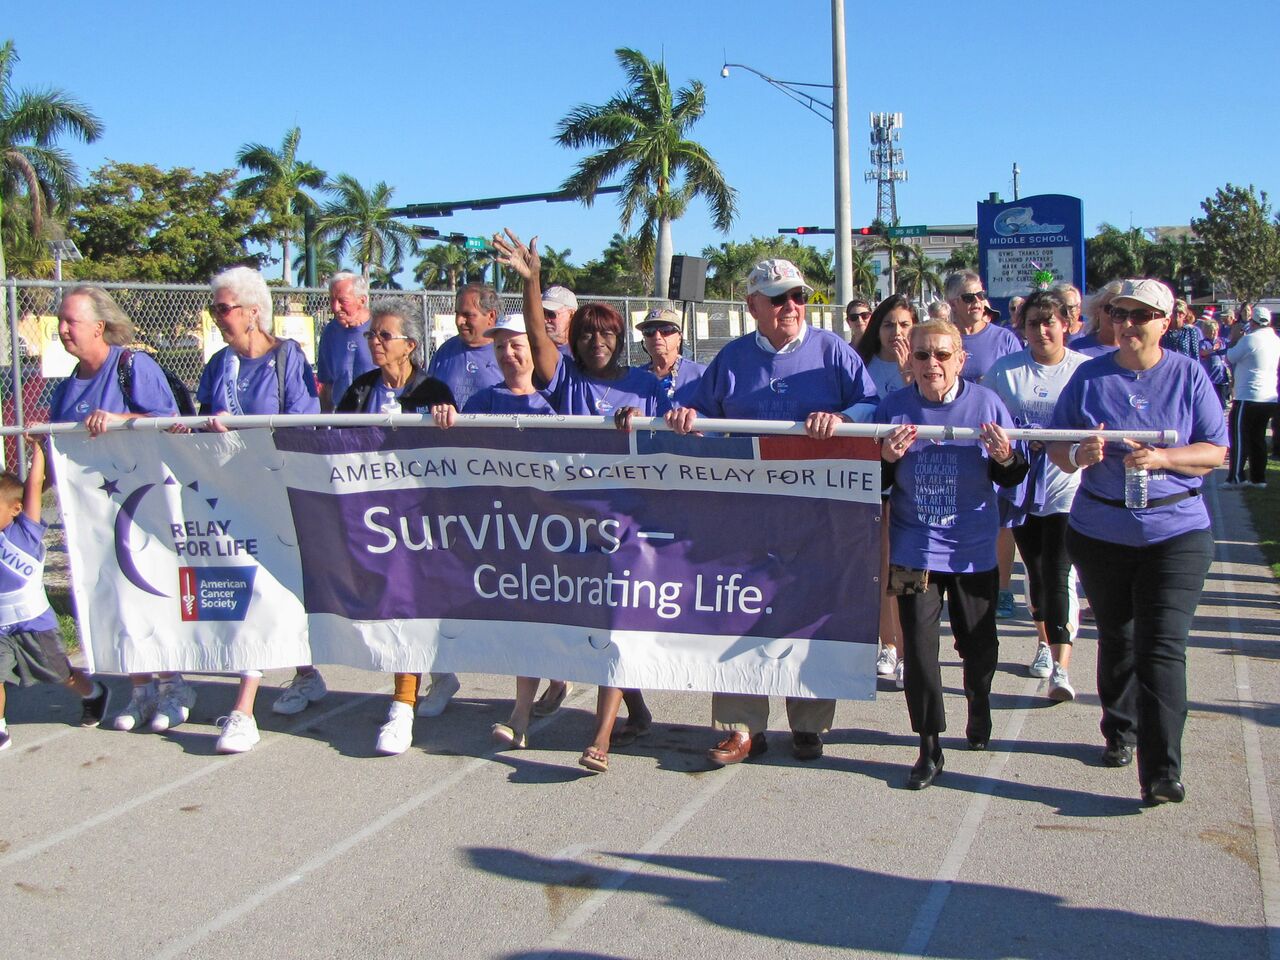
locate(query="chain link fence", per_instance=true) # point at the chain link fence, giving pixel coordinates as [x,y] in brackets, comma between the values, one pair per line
[172,323]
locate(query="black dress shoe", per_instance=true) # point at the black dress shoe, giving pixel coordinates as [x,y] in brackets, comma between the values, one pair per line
[806,746]
[1117,754]
[926,770]
[1165,791]
[978,743]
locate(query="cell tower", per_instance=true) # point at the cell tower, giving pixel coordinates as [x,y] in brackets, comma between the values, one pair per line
[886,157]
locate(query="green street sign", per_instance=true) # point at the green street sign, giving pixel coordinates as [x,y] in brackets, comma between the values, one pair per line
[916,231]
[477,243]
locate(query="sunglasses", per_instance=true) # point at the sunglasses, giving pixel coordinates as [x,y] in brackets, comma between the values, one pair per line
[942,356]
[383,336]
[667,330]
[978,297]
[798,297]
[222,310]
[860,315]
[1138,317]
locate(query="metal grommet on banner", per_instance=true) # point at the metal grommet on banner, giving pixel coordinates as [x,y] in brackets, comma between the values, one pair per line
[518,425]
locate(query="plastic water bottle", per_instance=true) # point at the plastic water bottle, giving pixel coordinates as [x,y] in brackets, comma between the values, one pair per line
[391,404]
[1135,487]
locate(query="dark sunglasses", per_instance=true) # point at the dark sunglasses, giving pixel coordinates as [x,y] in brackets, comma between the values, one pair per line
[666,330]
[795,296]
[942,356]
[860,315]
[973,297]
[1138,317]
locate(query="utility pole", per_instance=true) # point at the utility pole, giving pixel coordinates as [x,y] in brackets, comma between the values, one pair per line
[1016,171]
[840,122]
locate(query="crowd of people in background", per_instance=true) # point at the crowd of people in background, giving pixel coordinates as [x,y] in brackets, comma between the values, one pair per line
[1127,357]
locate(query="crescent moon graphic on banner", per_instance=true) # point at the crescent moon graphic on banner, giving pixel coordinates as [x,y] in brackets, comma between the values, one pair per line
[124,523]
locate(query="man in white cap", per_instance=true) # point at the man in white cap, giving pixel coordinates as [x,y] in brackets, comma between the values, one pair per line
[662,333]
[1254,358]
[558,305]
[770,375]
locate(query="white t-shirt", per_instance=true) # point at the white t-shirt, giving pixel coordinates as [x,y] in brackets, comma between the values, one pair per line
[1030,390]
[1253,362]
[886,375]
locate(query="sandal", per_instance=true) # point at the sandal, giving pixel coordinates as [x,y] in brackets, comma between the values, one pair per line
[596,760]
[549,703]
[628,734]
[506,735]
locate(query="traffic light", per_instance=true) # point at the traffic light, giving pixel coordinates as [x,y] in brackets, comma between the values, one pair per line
[458,239]
[804,230]
[868,231]
[426,233]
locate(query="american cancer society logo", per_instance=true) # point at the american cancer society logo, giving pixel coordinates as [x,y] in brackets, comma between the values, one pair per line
[215,593]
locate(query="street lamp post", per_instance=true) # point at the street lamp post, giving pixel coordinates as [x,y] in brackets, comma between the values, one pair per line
[835,113]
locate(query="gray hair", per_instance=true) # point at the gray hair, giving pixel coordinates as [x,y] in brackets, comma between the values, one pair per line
[1061,288]
[939,310]
[407,311]
[1100,299]
[359,285]
[956,281]
[486,297]
[247,286]
[117,328]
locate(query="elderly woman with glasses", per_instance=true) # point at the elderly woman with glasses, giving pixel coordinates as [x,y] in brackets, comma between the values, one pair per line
[662,332]
[1138,530]
[943,522]
[255,373]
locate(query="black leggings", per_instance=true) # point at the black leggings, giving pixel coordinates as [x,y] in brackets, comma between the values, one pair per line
[1247,423]
[1042,541]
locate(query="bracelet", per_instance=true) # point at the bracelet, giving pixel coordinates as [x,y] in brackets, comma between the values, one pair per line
[1075,448]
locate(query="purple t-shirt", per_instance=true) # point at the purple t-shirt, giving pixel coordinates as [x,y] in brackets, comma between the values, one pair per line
[465,369]
[27,536]
[985,347]
[74,399]
[945,512]
[232,384]
[745,382]
[573,392]
[343,354]
[1087,343]
[676,391]
[1175,394]
[500,399]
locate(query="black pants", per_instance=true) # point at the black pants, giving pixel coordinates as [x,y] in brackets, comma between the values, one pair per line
[1247,428]
[971,602]
[1042,542]
[1144,599]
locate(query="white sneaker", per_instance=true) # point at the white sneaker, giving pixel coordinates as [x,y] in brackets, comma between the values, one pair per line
[1042,665]
[173,706]
[887,662]
[1060,687]
[396,735]
[239,733]
[899,675]
[141,708]
[443,687]
[300,692]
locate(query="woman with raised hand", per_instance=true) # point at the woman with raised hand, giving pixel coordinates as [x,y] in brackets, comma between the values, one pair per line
[591,381]
[255,373]
[110,384]
[943,523]
[1139,531]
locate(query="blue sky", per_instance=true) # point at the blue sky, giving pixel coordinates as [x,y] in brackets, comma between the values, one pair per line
[1141,109]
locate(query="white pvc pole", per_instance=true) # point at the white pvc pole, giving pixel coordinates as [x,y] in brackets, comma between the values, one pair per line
[544,422]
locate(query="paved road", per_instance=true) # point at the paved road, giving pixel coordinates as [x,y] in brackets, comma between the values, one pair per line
[142,846]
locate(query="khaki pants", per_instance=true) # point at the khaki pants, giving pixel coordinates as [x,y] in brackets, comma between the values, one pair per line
[749,712]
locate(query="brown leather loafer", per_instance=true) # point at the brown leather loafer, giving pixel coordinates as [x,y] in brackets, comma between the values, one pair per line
[736,747]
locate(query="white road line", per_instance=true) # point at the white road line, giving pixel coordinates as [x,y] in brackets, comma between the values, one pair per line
[1264,828]
[926,918]
[325,857]
[34,849]
[562,935]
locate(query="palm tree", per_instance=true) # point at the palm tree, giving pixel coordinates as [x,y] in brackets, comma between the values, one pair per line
[896,248]
[438,259]
[277,185]
[556,269]
[359,221]
[643,129]
[918,274]
[864,274]
[31,163]
[326,265]
[963,257]
[1113,254]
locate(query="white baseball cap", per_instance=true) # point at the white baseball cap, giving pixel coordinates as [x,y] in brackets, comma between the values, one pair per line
[772,277]
[558,298]
[510,323]
[1261,316]
[1153,293]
